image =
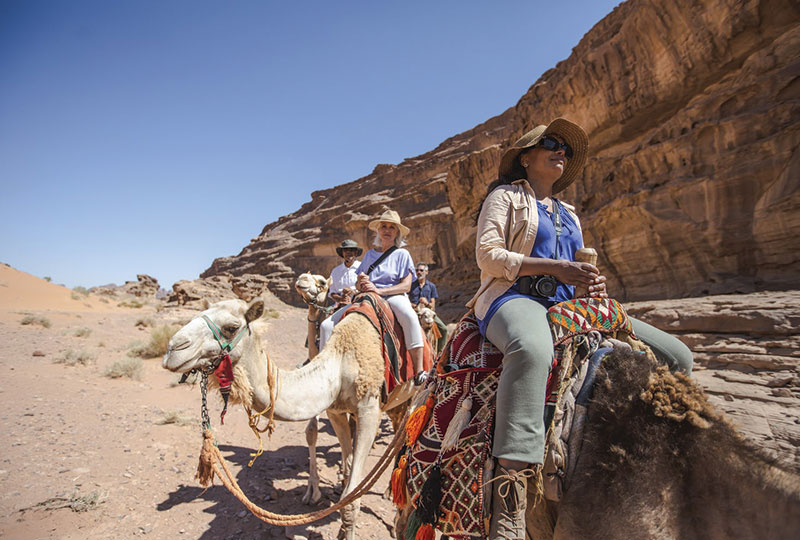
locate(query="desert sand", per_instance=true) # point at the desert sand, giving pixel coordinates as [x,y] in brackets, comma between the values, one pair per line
[76,439]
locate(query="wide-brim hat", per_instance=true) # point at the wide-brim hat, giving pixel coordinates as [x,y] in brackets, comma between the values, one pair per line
[349,244]
[389,216]
[572,134]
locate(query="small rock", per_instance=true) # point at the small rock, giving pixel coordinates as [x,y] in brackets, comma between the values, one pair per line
[242,514]
[728,397]
[38,353]
[781,392]
[780,380]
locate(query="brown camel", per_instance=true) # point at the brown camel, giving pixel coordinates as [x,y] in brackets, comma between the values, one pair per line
[658,462]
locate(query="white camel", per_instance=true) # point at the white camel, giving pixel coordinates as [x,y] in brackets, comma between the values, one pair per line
[346,377]
[313,288]
[427,322]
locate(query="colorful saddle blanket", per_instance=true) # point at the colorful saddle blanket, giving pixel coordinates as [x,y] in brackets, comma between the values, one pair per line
[457,434]
[398,365]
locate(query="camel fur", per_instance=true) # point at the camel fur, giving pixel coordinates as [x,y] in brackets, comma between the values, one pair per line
[345,378]
[658,461]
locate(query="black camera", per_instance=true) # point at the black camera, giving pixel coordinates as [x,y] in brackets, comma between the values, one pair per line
[544,286]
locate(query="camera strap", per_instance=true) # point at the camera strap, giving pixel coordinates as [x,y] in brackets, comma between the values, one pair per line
[556,217]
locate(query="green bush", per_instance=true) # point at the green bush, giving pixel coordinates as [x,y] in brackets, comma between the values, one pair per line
[47,279]
[126,367]
[157,346]
[81,290]
[32,319]
[73,358]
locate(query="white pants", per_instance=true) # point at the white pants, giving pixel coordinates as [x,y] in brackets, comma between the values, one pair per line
[402,309]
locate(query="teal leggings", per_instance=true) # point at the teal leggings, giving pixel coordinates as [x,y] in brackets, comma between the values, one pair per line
[519,329]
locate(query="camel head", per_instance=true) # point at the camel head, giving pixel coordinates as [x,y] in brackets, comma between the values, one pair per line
[195,346]
[426,316]
[312,287]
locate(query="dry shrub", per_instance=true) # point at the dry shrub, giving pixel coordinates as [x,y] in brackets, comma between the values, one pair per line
[134,304]
[144,322]
[73,358]
[33,319]
[126,367]
[176,417]
[81,290]
[159,340]
[82,332]
[272,314]
[76,503]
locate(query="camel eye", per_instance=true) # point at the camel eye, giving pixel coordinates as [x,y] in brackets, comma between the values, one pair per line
[230,329]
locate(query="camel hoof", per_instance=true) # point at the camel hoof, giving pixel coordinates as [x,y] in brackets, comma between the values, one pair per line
[311,496]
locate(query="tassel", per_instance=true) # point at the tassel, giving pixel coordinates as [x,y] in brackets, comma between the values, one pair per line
[205,465]
[458,424]
[399,494]
[416,422]
[430,496]
[224,373]
[413,525]
[425,532]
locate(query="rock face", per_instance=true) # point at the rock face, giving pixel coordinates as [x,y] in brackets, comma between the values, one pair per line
[144,287]
[693,115]
[747,354]
[198,294]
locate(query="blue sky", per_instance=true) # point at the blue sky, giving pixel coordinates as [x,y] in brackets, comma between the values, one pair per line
[152,136]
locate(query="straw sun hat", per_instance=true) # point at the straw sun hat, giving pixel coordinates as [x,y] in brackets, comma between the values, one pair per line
[389,216]
[572,134]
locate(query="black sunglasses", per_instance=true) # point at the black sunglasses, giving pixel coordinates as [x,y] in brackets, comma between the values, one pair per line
[549,143]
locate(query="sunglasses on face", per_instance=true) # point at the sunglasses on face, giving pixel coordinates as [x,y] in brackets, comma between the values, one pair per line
[549,143]
[421,270]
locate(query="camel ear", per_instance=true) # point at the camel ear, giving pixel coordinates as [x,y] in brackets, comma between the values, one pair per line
[254,310]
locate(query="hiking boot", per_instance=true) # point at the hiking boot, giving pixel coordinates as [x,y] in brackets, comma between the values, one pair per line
[509,501]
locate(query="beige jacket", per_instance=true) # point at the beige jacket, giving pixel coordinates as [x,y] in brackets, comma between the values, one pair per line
[507,229]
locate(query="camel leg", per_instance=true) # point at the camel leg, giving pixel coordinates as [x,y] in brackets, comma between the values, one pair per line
[368,417]
[312,494]
[341,426]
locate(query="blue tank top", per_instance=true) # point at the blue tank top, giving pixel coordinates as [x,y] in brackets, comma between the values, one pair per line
[545,247]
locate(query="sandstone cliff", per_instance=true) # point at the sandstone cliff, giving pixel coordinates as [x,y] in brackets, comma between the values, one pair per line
[693,113]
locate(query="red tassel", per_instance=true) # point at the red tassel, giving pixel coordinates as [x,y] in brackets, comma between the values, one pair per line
[399,493]
[416,422]
[425,532]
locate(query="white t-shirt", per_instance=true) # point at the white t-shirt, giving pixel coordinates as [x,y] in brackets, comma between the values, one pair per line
[342,277]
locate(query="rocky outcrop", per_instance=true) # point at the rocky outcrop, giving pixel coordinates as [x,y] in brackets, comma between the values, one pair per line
[200,293]
[747,354]
[691,187]
[144,287]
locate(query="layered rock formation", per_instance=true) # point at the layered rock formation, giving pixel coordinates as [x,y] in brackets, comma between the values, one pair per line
[747,349]
[692,110]
[144,287]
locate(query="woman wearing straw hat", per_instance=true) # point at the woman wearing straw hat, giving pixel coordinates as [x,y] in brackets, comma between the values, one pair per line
[388,270]
[525,248]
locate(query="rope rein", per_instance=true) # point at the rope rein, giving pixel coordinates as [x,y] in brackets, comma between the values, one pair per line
[213,463]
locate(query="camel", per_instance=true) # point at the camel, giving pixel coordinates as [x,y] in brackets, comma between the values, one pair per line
[426,321]
[346,377]
[659,462]
[313,288]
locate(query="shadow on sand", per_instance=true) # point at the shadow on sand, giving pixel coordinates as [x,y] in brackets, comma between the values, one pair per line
[233,521]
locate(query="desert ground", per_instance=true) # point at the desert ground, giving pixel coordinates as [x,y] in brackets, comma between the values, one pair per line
[85,456]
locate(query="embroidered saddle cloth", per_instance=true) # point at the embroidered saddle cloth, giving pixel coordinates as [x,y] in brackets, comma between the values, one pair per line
[398,365]
[457,435]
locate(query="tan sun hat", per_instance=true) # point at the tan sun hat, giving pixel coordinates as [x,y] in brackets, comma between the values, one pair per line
[572,134]
[389,216]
